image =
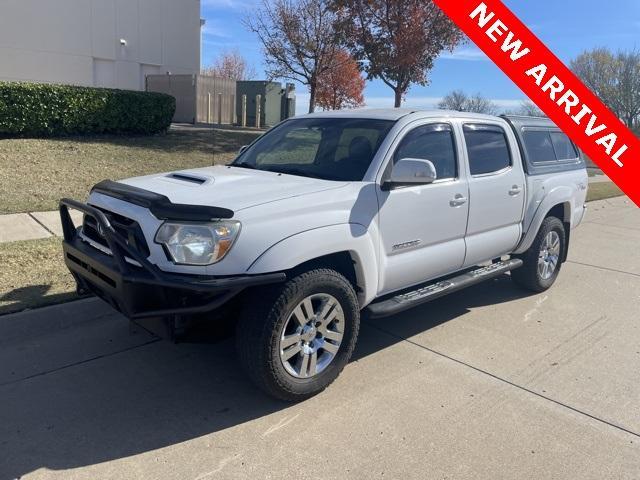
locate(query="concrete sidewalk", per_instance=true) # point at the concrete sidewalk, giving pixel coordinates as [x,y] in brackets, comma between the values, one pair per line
[31,226]
[488,383]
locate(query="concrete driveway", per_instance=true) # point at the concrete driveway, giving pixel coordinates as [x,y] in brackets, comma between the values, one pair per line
[489,383]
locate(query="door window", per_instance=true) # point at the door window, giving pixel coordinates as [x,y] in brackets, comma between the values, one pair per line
[488,149]
[434,142]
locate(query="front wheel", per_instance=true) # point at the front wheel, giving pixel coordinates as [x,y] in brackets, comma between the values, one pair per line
[294,340]
[543,260]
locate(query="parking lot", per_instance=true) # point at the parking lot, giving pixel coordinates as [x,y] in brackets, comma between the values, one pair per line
[488,383]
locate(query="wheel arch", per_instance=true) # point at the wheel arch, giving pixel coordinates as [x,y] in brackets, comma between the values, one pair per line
[346,248]
[562,211]
[557,203]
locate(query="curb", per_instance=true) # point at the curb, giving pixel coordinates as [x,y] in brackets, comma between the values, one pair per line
[28,324]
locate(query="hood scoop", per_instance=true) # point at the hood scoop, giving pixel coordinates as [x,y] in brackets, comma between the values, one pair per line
[187,177]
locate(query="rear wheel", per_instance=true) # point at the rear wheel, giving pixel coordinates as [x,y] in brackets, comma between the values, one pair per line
[294,340]
[543,260]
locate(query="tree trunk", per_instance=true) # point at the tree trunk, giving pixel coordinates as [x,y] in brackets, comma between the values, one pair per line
[398,97]
[312,96]
[630,121]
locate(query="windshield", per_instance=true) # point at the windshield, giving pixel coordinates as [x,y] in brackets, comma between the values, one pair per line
[327,148]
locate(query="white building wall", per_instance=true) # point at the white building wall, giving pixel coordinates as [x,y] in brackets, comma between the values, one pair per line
[78,42]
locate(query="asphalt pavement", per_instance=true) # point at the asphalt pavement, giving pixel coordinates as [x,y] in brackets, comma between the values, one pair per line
[488,383]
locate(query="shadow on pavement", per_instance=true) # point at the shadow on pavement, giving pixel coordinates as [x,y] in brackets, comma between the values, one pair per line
[32,296]
[161,394]
[423,318]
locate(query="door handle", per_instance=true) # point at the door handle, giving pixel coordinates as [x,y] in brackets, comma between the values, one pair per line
[458,200]
[515,190]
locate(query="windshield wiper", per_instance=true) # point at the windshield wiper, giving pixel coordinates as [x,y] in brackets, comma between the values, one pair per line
[299,172]
[245,165]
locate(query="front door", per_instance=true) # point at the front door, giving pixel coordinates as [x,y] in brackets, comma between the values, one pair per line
[422,227]
[496,192]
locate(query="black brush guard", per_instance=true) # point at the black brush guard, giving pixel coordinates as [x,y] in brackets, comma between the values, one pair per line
[133,285]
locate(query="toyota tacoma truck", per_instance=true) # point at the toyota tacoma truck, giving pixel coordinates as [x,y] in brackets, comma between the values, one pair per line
[326,217]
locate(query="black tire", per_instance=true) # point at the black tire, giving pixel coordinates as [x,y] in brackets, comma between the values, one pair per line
[528,276]
[262,322]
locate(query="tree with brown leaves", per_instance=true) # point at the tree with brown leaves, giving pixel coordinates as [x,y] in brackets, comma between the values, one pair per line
[397,41]
[230,64]
[341,86]
[299,40]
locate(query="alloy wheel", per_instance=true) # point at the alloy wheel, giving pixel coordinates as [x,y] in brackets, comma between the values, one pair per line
[549,255]
[312,335]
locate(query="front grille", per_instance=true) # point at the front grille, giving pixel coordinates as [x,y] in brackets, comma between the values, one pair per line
[125,227]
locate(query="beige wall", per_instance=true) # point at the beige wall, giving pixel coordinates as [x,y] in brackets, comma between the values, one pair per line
[78,41]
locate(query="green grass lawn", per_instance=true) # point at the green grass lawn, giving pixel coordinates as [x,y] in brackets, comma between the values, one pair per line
[602,190]
[36,173]
[33,275]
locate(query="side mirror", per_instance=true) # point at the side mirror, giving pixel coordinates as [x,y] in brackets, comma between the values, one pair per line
[242,149]
[411,171]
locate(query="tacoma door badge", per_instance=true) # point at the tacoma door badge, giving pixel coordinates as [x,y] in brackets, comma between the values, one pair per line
[405,245]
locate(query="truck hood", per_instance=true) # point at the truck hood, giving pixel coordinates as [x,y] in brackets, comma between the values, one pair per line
[230,187]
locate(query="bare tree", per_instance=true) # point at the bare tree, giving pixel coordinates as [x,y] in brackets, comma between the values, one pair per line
[461,102]
[527,109]
[397,41]
[479,104]
[628,99]
[456,100]
[230,64]
[299,40]
[614,78]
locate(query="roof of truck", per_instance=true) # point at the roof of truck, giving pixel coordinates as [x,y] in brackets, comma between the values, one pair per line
[519,121]
[394,114]
[372,113]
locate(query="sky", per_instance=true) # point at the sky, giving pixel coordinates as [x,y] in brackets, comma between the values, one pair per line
[567,27]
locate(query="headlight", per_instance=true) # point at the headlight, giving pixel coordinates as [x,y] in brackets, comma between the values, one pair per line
[198,244]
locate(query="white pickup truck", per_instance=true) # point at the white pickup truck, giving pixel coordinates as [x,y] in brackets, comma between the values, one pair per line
[326,216]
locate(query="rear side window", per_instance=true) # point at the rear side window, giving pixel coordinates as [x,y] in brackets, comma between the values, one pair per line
[545,146]
[433,142]
[563,146]
[539,146]
[488,149]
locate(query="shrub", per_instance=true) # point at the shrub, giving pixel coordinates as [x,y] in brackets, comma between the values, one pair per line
[36,109]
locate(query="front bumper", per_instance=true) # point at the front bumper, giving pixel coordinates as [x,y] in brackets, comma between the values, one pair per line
[132,285]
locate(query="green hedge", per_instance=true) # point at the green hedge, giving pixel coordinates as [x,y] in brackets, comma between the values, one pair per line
[35,109]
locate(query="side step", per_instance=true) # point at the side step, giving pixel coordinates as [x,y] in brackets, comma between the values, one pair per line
[407,300]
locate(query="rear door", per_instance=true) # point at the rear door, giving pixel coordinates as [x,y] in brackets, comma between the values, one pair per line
[496,191]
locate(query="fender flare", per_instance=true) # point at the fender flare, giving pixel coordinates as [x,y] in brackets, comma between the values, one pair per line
[302,247]
[559,195]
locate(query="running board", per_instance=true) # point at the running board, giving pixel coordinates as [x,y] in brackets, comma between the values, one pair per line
[425,294]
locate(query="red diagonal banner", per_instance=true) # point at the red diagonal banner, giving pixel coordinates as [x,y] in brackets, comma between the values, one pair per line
[552,87]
